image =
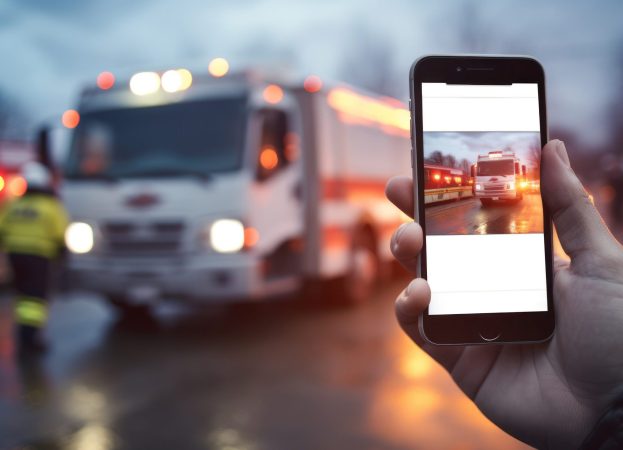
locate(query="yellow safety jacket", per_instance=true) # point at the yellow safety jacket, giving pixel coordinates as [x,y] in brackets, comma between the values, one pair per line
[34,225]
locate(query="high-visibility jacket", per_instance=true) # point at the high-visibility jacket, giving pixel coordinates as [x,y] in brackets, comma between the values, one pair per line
[34,225]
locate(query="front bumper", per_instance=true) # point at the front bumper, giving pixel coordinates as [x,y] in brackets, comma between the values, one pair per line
[211,279]
[497,194]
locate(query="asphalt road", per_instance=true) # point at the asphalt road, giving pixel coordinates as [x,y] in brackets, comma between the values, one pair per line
[270,376]
[470,217]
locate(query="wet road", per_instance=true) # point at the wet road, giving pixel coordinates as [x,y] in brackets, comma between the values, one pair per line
[470,217]
[272,376]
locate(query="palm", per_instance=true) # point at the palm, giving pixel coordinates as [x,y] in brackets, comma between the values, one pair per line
[551,389]
[548,394]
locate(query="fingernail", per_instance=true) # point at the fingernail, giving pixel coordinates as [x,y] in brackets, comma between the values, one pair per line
[406,307]
[408,288]
[399,232]
[562,153]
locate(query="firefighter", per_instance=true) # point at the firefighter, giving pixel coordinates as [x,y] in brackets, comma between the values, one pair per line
[32,232]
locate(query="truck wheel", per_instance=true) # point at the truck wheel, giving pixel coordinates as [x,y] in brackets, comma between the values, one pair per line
[357,286]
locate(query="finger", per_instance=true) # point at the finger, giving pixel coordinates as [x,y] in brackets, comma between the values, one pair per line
[406,245]
[399,191]
[579,225]
[412,302]
[560,263]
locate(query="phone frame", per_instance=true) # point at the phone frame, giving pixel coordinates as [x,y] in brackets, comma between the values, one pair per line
[484,328]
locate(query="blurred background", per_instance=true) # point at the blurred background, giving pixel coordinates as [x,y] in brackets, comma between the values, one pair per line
[289,340]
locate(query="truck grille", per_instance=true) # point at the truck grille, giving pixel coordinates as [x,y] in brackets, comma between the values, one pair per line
[158,238]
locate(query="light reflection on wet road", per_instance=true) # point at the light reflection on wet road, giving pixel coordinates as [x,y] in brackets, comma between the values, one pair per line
[470,217]
[272,376]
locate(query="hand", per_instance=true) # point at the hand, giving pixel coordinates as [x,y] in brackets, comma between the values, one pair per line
[551,394]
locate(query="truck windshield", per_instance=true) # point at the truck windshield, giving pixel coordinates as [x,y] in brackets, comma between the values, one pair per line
[489,168]
[196,138]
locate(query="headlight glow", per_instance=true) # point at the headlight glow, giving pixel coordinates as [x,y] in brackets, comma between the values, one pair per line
[479,187]
[79,237]
[227,235]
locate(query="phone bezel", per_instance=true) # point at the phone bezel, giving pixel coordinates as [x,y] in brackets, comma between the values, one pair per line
[470,328]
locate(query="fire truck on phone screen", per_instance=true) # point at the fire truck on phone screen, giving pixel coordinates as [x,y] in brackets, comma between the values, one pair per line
[224,187]
[445,183]
[498,176]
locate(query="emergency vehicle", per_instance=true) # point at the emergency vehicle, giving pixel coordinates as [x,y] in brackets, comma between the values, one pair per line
[227,187]
[499,176]
[445,183]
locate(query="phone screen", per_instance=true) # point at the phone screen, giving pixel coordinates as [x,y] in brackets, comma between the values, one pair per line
[485,250]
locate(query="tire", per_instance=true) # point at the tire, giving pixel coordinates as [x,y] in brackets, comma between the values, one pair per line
[358,285]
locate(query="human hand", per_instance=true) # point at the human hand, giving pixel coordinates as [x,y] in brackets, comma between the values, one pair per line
[550,394]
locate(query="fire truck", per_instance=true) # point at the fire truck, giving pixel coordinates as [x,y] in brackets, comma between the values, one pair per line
[208,188]
[499,176]
[442,184]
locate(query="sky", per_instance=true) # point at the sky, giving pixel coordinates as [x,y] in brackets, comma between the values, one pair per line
[51,50]
[468,145]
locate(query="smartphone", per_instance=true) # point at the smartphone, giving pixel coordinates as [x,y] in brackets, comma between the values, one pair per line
[478,124]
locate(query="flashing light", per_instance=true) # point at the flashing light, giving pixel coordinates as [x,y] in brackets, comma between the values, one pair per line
[457,179]
[17,186]
[436,177]
[495,154]
[1,183]
[448,179]
[479,187]
[273,94]
[70,118]
[312,83]
[144,83]
[187,78]
[218,67]
[176,80]
[359,108]
[79,237]
[251,237]
[523,184]
[105,80]
[227,235]
[171,81]
[269,158]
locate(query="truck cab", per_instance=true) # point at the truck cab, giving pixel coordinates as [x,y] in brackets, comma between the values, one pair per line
[499,176]
[239,188]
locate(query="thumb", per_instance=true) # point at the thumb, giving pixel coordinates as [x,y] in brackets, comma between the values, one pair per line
[580,227]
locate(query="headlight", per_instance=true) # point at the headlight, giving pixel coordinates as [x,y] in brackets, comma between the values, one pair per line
[510,186]
[227,235]
[79,237]
[479,187]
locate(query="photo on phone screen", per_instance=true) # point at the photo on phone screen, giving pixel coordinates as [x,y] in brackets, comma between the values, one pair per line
[483,211]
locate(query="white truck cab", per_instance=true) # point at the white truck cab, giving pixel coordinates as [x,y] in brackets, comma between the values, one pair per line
[232,188]
[499,176]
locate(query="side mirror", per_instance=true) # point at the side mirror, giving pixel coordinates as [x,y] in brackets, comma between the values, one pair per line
[523,170]
[472,170]
[517,168]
